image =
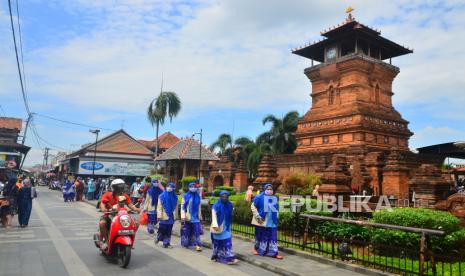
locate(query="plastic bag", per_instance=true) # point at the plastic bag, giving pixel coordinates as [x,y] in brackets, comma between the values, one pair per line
[144,219]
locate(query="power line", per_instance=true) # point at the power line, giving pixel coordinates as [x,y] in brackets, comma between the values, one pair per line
[34,132]
[38,137]
[23,93]
[21,49]
[3,111]
[73,123]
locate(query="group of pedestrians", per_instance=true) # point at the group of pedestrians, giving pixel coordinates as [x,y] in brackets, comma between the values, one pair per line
[17,193]
[77,189]
[161,205]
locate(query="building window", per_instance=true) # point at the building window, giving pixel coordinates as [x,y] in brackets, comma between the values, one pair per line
[377,94]
[325,139]
[331,95]
[386,139]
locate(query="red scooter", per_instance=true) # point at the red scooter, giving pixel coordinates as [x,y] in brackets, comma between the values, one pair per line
[122,234]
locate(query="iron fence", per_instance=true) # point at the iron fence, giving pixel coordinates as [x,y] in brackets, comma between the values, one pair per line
[302,235]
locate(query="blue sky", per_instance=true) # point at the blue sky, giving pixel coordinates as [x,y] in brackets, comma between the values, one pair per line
[100,62]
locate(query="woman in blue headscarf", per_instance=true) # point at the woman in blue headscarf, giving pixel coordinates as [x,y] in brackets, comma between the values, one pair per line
[25,196]
[165,214]
[220,229]
[150,204]
[190,218]
[265,218]
[68,191]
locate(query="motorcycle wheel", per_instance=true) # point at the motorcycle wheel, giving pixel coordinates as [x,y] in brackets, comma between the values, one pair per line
[124,255]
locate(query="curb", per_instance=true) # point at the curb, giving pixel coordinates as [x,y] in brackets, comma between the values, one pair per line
[305,255]
[252,261]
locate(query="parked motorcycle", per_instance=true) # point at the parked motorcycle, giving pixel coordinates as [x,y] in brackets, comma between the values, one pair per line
[122,234]
[55,185]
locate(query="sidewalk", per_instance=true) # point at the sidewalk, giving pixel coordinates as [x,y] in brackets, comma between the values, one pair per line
[291,264]
[294,262]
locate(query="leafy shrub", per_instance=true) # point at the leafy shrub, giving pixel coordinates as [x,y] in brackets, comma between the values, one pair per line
[453,241]
[242,213]
[185,182]
[300,183]
[421,218]
[342,231]
[159,177]
[236,197]
[218,189]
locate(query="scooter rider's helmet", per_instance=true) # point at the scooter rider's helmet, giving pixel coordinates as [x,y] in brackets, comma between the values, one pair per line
[117,186]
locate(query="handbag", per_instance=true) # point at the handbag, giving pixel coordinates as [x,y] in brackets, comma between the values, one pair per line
[144,219]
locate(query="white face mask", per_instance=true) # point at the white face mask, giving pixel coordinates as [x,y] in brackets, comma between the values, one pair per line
[193,190]
[169,189]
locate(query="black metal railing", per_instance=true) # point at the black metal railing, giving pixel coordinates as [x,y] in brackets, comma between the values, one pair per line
[302,234]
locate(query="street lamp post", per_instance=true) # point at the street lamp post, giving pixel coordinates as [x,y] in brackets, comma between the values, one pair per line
[96,132]
[200,151]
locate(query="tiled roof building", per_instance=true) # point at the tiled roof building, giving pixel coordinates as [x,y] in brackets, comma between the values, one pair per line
[188,149]
[11,123]
[167,140]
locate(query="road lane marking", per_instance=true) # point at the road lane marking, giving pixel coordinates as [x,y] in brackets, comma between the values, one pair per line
[73,264]
[42,240]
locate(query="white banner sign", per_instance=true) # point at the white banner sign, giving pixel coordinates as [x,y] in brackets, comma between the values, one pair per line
[115,168]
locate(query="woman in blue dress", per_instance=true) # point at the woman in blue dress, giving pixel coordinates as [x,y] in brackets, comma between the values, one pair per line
[25,196]
[151,203]
[265,218]
[190,218]
[165,213]
[68,191]
[220,229]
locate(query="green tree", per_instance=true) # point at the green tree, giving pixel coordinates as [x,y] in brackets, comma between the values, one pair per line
[167,104]
[242,141]
[255,153]
[281,134]
[223,143]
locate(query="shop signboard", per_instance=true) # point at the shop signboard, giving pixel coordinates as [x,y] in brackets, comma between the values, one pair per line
[114,168]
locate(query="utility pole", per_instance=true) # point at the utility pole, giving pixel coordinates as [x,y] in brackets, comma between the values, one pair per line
[28,121]
[96,132]
[45,162]
[200,151]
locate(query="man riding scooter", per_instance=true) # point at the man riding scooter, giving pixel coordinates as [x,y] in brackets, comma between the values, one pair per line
[109,199]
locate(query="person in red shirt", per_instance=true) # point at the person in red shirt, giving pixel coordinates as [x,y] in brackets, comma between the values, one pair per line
[109,199]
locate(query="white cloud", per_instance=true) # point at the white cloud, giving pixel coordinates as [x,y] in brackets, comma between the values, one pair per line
[235,54]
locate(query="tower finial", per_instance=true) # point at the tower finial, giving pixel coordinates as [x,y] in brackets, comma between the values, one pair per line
[349,10]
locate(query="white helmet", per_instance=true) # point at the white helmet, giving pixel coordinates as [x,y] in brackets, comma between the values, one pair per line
[117,185]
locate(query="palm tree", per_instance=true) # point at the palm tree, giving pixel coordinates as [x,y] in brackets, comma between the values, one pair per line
[242,141]
[167,104]
[223,143]
[254,156]
[282,131]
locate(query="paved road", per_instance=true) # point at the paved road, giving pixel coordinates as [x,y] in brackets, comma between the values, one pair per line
[58,241]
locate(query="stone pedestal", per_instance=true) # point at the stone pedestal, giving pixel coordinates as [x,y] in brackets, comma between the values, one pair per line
[241,179]
[395,176]
[336,179]
[429,185]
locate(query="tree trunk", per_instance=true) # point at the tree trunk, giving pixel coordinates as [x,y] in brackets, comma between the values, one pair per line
[157,142]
